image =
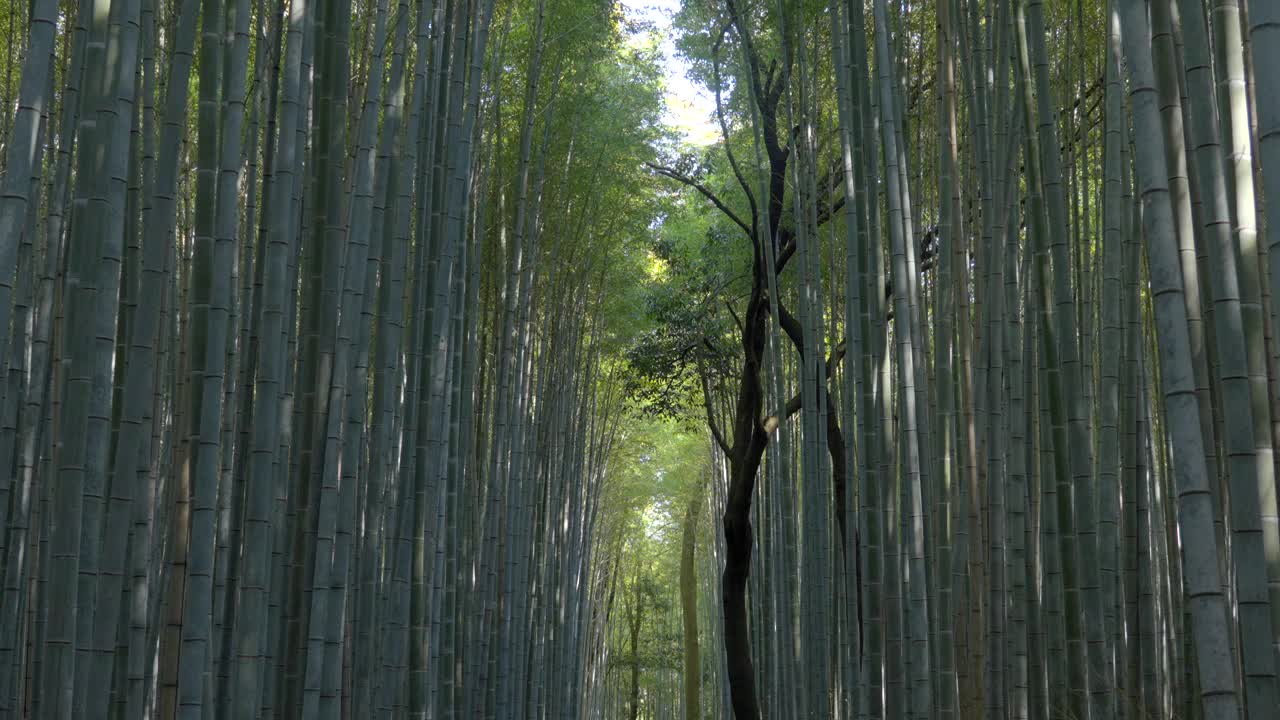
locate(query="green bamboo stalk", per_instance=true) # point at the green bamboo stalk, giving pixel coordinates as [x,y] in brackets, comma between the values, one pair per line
[1208,612]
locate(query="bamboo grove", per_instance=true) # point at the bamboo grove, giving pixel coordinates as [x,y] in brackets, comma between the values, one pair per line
[398,359]
[306,405]
[993,377]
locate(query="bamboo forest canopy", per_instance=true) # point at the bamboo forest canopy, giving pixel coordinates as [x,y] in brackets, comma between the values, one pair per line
[578,359]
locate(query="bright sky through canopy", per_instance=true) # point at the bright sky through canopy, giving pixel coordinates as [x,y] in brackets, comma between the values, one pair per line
[689,105]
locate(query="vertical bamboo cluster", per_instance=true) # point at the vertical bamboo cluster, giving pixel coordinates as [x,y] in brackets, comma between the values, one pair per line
[1036,477]
[1102,478]
[307,397]
[323,360]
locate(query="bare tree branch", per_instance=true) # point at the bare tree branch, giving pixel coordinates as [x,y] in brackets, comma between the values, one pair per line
[771,422]
[787,236]
[736,320]
[792,327]
[706,192]
[728,148]
[711,418]
[753,57]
